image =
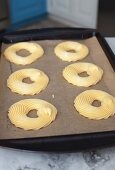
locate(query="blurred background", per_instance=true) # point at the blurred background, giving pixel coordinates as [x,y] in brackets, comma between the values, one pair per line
[32,14]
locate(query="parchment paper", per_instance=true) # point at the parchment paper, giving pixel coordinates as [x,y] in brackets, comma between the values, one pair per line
[68,120]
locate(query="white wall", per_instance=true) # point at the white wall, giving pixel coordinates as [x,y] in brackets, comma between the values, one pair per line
[80,13]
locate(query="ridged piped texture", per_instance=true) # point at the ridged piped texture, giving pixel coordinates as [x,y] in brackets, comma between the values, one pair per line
[71,51]
[39,81]
[83,104]
[36,51]
[46,113]
[72,71]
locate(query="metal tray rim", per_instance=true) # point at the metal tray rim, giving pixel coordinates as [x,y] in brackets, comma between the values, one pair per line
[64,142]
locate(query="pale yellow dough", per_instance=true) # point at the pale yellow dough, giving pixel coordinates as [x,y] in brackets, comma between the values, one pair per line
[46,113]
[83,104]
[36,51]
[39,81]
[71,51]
[72,71]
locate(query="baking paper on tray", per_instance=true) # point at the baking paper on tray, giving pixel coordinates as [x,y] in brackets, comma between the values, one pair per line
[58,92]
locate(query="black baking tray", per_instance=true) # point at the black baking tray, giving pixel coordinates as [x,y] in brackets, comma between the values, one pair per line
[65,142]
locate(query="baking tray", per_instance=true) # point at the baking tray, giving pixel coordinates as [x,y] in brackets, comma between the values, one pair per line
[62,142]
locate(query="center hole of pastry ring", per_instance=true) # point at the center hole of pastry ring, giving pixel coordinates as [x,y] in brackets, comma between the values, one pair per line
[96,103]
[70,51]
[83,74]
[23,53]
[27,80]
[32,113]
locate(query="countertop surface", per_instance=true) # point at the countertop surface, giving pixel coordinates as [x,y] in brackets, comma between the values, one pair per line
[99,159]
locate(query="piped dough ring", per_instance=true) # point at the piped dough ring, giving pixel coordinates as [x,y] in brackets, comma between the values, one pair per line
[16,84]
[36,51]
[72,71]
[46,113]
[71,51]
[83,104]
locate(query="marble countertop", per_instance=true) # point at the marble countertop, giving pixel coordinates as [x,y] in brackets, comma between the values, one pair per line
[99,159]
